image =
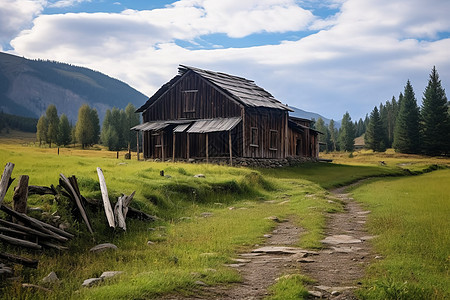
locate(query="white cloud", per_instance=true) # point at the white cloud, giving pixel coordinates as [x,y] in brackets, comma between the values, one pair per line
[362,56]
[16,15]
[67,3]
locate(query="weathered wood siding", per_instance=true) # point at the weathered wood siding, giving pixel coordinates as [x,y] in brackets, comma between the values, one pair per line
[269,125]
[218,146]
[304,143]
[209,102]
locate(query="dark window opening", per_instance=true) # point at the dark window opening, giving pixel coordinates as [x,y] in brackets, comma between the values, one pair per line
[273,140]
[254,137]
[189,97]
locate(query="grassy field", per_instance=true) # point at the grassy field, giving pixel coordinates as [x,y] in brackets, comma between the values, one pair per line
[411,218]
[186,247]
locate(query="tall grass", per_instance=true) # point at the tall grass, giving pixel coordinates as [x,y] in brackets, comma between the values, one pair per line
[186,247]
[411,218]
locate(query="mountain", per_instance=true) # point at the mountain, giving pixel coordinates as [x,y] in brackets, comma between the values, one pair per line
[300,113]
[27,87]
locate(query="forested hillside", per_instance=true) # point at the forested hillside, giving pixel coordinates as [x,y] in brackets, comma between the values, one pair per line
[28,87]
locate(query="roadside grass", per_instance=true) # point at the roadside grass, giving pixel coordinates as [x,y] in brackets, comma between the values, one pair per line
[331,175]
[186,247]
[410,216]
[390,159]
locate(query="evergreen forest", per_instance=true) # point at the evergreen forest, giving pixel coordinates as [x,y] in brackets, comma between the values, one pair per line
[399,123]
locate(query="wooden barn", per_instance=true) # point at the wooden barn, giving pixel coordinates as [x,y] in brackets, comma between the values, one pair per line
[201,114]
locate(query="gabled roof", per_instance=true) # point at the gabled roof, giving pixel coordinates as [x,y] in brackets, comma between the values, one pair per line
[240,89]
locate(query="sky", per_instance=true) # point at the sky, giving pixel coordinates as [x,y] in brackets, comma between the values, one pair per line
[327,57]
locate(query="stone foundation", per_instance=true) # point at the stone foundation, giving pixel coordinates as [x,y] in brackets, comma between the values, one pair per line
[253,162]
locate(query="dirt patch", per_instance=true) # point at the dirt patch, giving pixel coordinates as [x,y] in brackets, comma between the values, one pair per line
[340,265]
[261,267]
[336,269]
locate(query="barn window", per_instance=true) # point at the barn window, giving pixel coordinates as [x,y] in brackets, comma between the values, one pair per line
[273,139]
[189,98]
[157,139]
[254,137]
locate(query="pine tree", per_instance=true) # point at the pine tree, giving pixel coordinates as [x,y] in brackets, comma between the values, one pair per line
[95,127]
[52,124]
[347,134]
[360,128]
[41,130]
[375,137]
[324,138]
[333,135]
[406,133]
[65,131]
[435,118]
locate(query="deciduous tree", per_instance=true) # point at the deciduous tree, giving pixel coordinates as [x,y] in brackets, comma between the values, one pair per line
[41,130]
[51,115]
[65,131]
[87,127]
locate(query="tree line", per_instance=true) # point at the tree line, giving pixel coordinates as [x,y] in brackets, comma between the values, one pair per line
[115,133]
[400,124]
[8,121]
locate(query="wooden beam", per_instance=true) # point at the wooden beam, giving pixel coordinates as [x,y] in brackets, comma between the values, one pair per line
[230,146]
[244,146]
[106,204]
[67,185]
[32,222]
[286,133]
[137,143]
[20,196]
[17,228]
[173,148]
[19,242]
[162,146]
[207,150]
[4,182]
[30,263]
[143,145]
[41,190]
[187,146]
[55,230]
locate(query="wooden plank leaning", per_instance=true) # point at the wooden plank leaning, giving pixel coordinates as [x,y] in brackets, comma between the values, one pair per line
[4,182]
[77,201]
[106,204]
[121,210]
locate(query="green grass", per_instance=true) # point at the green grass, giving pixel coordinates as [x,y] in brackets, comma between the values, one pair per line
[290,287]
[332,175]
[411,218]
[187,247]
[177,258]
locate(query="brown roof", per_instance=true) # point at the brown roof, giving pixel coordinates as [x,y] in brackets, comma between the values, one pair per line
[240,89]
[192,126]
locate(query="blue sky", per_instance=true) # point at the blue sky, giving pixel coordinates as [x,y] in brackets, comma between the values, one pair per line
[327,56]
